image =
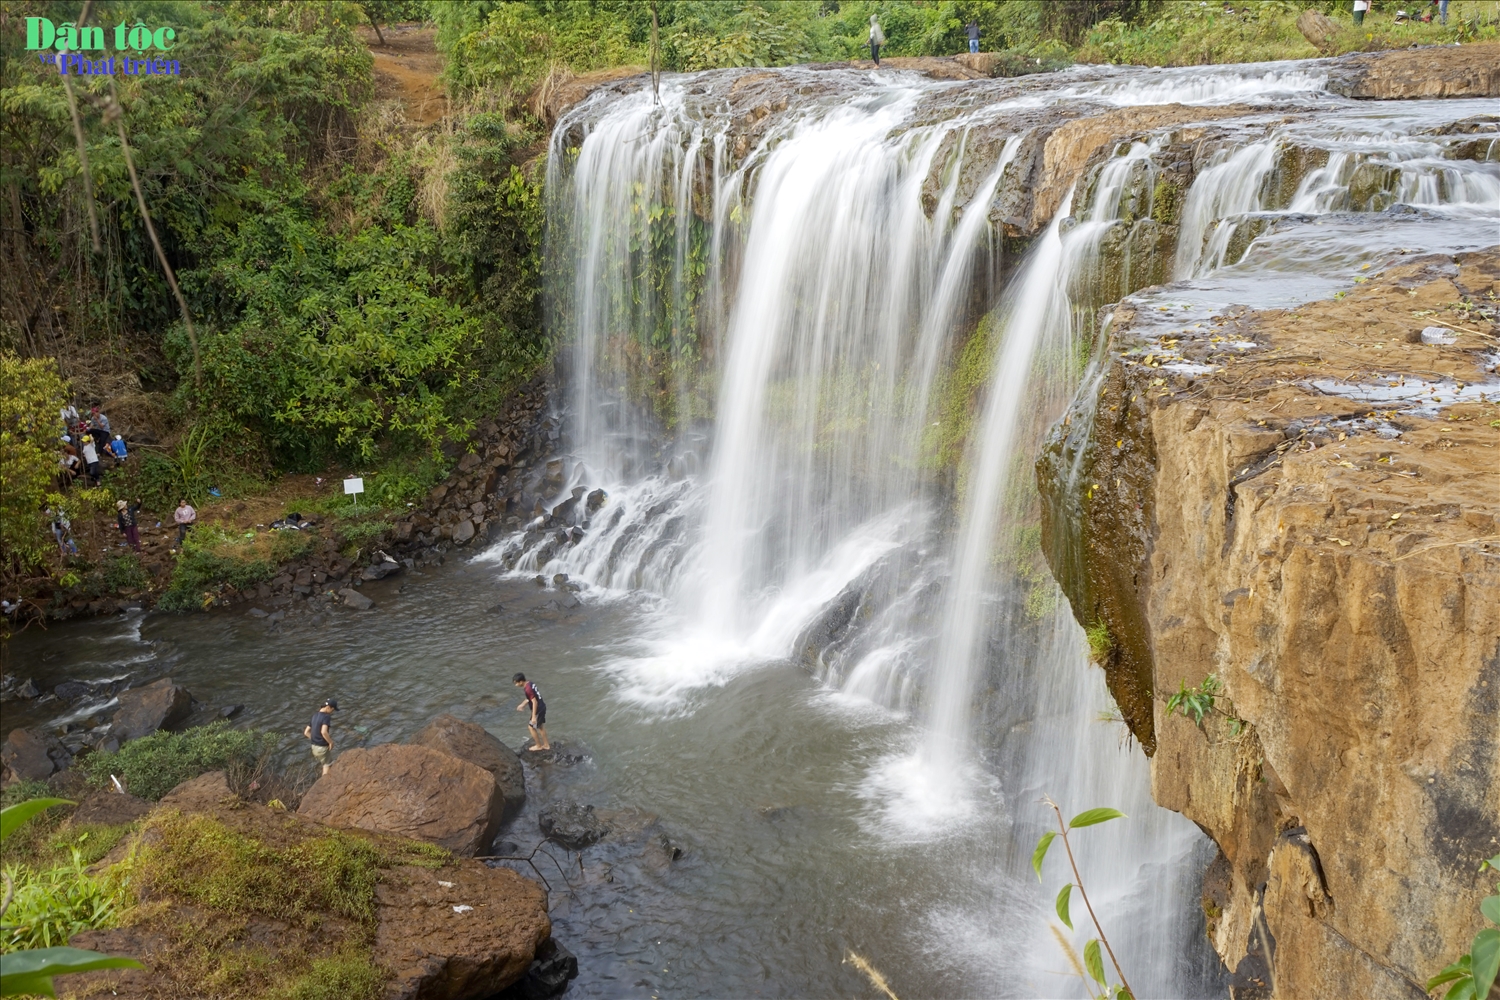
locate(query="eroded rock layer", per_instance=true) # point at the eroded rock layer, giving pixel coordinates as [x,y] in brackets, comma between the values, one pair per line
[1302,504]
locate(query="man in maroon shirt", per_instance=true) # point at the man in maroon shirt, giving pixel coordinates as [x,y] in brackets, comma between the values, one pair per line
[538,721]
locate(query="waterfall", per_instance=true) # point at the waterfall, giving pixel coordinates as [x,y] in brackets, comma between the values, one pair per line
[764,310]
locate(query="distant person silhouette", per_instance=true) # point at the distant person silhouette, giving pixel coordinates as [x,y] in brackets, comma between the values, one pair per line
[877,39]
[972,30]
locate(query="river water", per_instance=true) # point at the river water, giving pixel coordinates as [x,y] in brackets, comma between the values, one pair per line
[807,647]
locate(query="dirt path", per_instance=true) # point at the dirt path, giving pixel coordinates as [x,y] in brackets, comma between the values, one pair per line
[407,67]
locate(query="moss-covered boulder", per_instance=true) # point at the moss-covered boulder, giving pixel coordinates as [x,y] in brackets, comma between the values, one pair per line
[235,899]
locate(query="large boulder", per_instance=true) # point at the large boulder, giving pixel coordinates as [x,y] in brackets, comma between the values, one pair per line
[461,931]
[159,705]
[472,742]
[28,756]
[414,791]
[464,931]
[572,825]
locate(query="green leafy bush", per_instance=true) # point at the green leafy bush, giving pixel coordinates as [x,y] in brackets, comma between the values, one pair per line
[154,765]
[31,394]
[212,559]
[1195,702]
[53,904]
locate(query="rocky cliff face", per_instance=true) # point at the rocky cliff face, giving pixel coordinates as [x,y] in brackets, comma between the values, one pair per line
[1302,504]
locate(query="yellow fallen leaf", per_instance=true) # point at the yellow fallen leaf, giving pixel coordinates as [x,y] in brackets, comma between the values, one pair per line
[1347,465]
[1340,541]
[1120,443]
[1396,517]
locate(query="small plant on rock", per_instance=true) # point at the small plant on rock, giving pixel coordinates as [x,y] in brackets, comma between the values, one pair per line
[1196,702]
[1473,976]
[1099,988]
[1101,643]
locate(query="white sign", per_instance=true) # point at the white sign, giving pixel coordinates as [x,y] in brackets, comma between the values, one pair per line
[354,485]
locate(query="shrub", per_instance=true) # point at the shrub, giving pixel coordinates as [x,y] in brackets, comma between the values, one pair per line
[212,559]
[154,765]
[31,394]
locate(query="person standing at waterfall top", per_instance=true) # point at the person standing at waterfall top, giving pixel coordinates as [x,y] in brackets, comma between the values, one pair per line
[538,722]
[877,39]
[972,30]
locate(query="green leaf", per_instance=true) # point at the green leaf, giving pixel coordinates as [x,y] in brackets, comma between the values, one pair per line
[1062,904]
[1458,970]
[1093,962]
[24,972]
[1484,960]
[1040,853]
[13,816]
[1462,990]
[1490,907]
[1091,816]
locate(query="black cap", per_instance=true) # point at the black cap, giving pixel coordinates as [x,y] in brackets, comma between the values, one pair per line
[331,704]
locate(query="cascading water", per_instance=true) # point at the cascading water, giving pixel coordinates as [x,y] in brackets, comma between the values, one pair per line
[763,320]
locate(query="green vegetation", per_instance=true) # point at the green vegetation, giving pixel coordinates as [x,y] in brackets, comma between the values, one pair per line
[200,859]
[153,765]
[43,906]
[213,559]
[1091,970]
[351,976]
[1193,34]
[1101,643]
[53,904]
[31,393]
[1195,702]
[1473,976]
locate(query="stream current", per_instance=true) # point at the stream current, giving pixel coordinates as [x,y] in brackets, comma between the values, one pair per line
[801,644]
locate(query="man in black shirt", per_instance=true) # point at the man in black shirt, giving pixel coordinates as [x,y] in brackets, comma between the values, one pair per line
[320,736]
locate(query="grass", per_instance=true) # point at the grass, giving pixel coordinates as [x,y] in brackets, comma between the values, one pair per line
[198,858]
[153,765]
[53,904]
[347,976]
[1101,643]
[213,559]
[1190,34]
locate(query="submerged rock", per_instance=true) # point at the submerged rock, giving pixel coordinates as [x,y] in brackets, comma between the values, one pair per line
[414,791]
[356,600]
[571,824]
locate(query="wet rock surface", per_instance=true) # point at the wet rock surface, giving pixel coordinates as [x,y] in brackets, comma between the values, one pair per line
[472,742]
[572,824]
[159,705]
[414,791]
[1310,516]
[32,756]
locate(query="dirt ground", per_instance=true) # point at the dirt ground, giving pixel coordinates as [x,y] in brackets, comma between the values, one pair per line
[407,68]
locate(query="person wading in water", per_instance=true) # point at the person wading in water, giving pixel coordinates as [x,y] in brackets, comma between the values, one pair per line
[319,734]
[538,723]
